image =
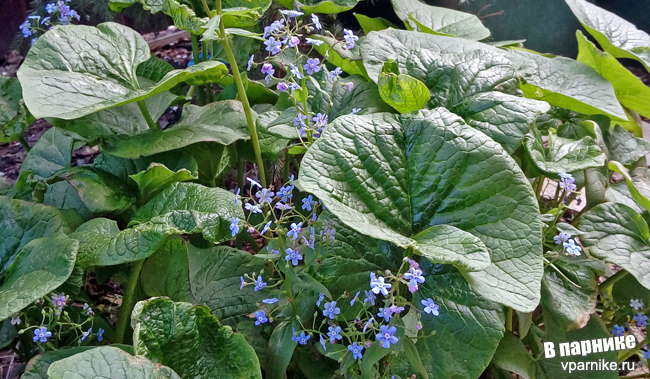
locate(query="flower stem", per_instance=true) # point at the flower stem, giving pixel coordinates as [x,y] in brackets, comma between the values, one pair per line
[243,97]
[127,301]
[208,87]
[147,117]
[195,55]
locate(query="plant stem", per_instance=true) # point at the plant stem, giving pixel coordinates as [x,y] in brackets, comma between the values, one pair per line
[243,97]
[195,54]
[240,173]
[509,319]
[147,117]
[190,93]
[127,301]
[24,143]
[609,282]
[208,86]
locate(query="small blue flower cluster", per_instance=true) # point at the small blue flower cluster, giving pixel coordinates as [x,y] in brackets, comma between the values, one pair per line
[60,10]
[568,243]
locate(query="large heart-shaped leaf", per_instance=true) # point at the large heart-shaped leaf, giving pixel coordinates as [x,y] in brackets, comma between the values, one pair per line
[563,154]
[624,147]
[613,33]
[620,192]
[437,20]
[37,367]
[166,273]
[14,117]
[123,168]
[51,153]
[108,362]
[223,122]
[392,177]
[41,266]
[618,234]
[191,341]
[157,177]
[512,355]
[349,60]
[22,222]
[76,70]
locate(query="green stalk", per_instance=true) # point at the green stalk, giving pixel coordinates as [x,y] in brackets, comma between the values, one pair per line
[128,301]
[609,282]
[145,113]
[190,93]
[509,319]
[208,86]
[24,143]
[195,54]
[242,95]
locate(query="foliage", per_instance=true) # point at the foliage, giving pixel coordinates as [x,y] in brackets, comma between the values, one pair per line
[416,232]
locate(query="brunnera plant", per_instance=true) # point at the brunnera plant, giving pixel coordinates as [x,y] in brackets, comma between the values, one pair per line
[408,213]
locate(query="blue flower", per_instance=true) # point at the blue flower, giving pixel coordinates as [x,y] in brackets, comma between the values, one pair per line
[368,323]
[350,86]
[312,65]
[293,255]
[350,39]
[41,335]
[266,227]
[321,119]
[335,73]
[285,192]
[322,342]
[356,350]
[308,203]
[260,317]
[291,42]
[49,8]
[567,182]
[331,310]
[636,304]
[295,230]
[253,208]
[356,297]
[234,226]
[385,313]
[268,69]
[309,242]
[265,196]
[370,297]
[270,301]
[328,233]
[59,301]
[321,296]
[291,14]
[243,283]
[386,336]
[100,334]
[283,207]
[282,87]
[430,307]
[259,284]
[355,110]
[86,334]
[273,46]
[302,338]
[25,28]
[299,120]
[377,285]
[641,320]
[296,72]
[273,28]
[250,63]
[316,22]
[334,333]
[414,276]
[618,331]
[315,42]
[46,21]
[562,237]
[572,248]
[646,355]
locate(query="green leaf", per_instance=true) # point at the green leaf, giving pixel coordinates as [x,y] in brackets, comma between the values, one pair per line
[281,347]
[569,292]
[402,92]
[630,90]
[223,122]
[22,222]
[154,6]
[123,168]
[215,279]
[375,185]
[14,129]
[624,147]
[41,266]
[619,235]
[513,356]
[413,357]
[51,153]
[450,245]
[614,34]
[570,84]
[192,208]
[437,20]
[371,356]
[108,362]
[634,192]
[595,329]
[349,60]
[8,333]
[469,85]
[185,17]
[59,85]
[563,154]
[158,177]
[628,288]
[166,273]
[191,341]
[37,367]
[214,160]
[465,318]
[369,24]
[10,95]
[327,6]
[620,192]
